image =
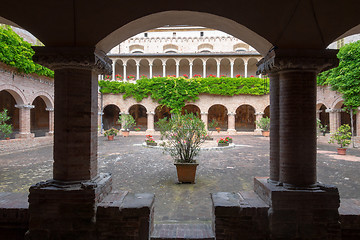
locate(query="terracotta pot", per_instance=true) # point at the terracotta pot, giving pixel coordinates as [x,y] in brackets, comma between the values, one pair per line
[209,138]
[7,138]
[265,133]
[186,172]
[223,144]
[341,151]
[151,143]
[110,137]
[125,133]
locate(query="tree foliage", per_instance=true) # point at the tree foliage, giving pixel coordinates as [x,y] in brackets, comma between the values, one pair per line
[175,92]
[346,77]
[16,52]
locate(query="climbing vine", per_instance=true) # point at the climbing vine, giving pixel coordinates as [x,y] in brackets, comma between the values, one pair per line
[16,52]
[175,92]
[346,77]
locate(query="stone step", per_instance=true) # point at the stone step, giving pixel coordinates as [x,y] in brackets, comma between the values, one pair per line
[182,231]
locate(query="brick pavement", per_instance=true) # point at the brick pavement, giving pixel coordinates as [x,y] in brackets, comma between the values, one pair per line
[137,169]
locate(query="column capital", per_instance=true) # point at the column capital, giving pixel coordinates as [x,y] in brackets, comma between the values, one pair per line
[49,109]
[150,113]
[73,57]
[124,113]
[100,113]
[297,59]
[150,64]
[231,114]
[26,106]
[190,64]
[333,110]
[319,111]
[259,113]
[204,113]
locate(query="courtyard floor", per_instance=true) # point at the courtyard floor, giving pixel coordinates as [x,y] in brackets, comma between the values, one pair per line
[139,169]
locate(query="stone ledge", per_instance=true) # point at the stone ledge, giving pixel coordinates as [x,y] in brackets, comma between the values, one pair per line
[350,218]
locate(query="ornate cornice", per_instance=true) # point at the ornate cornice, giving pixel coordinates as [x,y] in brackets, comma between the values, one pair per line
[297,59]
[73,57]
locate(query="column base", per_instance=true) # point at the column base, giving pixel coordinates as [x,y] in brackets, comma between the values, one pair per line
[258,131]
[25,135]
[49,134]
[301,214]
[150,131]
[66,210]
[231,131]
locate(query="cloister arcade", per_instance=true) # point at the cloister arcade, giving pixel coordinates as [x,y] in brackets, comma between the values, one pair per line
[174,64]
[292,39]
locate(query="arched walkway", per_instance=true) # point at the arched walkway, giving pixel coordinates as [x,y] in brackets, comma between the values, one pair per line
[191,108]
[160,113]
[219,113]
[111,117]
[7,101]
[245,118]
[267,112]
[324,117]
[138,112]
[39,117]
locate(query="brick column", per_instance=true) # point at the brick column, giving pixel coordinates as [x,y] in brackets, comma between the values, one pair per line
[150,123]
[66,205]
[274,127]
[24,121]
[231,123]
[258,115]
[312,207]
[334,118]
[51,121]
[204,118]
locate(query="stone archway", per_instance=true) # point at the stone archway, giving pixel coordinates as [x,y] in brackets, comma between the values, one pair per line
[191,108]
[160,113]
[219,113]
[7,101]
[267,112]
[245,118]
[346,119]
[138,112]
[111,117]
[39,118]
[324,117]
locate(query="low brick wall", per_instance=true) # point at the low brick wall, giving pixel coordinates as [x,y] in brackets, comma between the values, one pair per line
[14,215]
[239,214]
[125,216]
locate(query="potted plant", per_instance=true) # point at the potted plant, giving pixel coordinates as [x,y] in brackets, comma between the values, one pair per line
[264,124]
[218,129]
[183,136]
[131,77]
[110,133]
[5,128]
[127,122]
[118,77]
[229,139]
[342,137]
[223,142]
[137,129]
[150,141]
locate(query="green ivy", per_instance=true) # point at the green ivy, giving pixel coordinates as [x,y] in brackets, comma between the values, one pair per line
[175,92]
[16,52]
[346,77]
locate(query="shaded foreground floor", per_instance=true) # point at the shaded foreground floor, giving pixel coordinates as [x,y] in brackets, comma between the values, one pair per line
[138,169]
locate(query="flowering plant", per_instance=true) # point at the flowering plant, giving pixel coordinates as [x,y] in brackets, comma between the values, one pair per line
[131,77]
[252,76]
[218,129]
[197,76]
[223,76]
[149,139]
[211,75]
[171,75]
[118,77]
[229,139]
[223,140]
[107,77]
[143,76]
[137,129]
[183,134]
[111,132]
[239,76]
[156,76]
[185,76]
